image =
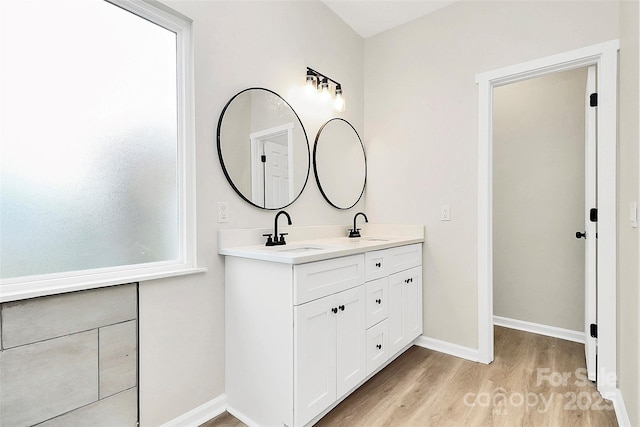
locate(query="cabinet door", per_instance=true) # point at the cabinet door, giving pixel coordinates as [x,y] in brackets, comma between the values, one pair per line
[395,320]
[351,362]
[314,358]
[412,304]
[405,308]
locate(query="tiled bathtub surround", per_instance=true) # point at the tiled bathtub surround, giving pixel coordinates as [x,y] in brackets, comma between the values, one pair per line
[70,359]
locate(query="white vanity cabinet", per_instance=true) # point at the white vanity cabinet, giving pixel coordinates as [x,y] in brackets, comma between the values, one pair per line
[300,337]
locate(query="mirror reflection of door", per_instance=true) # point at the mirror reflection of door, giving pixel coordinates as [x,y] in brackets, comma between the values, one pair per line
[271,177]
[276,173]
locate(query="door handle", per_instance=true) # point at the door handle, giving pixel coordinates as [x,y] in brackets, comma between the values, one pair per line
[580,235]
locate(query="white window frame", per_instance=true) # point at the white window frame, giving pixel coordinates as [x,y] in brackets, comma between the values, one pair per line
[49,284]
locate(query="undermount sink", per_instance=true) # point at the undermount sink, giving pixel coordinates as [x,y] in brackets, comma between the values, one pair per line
[300,249]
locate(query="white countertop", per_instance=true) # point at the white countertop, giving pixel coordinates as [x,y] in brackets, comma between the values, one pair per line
[316,249]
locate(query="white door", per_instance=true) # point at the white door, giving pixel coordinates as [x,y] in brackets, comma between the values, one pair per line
[276,174]
[591,201]
[314,358]
[351,362]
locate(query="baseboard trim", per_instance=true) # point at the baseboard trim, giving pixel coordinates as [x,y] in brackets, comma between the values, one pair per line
[621,410]
[536,328]
[447,348]
[201,414]
[242,417]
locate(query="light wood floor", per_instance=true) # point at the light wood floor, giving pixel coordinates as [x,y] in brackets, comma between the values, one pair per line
[524,386]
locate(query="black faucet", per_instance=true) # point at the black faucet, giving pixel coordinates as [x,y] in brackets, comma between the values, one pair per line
[277,240]
[355,232]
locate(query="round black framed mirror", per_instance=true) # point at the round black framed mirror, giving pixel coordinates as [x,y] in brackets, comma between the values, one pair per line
[340,163]
[263,148]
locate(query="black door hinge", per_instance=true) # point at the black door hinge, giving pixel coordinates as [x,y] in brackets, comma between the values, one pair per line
[593,100]
[263,158]
[593,329]
[593,214]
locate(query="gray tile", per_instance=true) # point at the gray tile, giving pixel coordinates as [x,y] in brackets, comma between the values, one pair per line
[38,319]
[117,358]
[47,379]
[118,410]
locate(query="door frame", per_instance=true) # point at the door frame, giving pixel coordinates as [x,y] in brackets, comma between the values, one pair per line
[605,57]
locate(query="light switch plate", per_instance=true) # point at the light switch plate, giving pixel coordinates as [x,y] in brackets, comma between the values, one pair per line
[445,213]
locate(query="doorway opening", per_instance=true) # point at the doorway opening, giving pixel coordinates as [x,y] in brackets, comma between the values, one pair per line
[604,58]
[544,186]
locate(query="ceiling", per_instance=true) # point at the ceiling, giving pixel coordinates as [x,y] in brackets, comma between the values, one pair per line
[370,17]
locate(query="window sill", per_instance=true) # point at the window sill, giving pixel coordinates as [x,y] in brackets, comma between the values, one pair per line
[42,288]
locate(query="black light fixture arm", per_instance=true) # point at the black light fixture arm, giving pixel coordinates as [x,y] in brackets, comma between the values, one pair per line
[320,76]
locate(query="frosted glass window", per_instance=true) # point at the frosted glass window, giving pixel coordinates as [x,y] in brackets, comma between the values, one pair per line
[89,147]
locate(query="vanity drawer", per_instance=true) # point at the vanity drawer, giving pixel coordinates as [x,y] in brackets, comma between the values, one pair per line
[377,300]
[376,264]
[404,257]
[318,279]
[377,346]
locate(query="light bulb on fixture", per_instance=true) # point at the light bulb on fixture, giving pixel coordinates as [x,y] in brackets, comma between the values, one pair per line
[338,102]
[324,89]
[311,86]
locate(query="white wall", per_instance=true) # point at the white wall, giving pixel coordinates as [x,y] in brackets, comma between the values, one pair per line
[629,135]
[538,199]
[421,128]
[237,45]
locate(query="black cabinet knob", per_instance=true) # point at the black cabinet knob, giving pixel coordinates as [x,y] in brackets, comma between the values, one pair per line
[334,310]
[341,308]
[378,264]
[379,346]
[580,235]
[379,301]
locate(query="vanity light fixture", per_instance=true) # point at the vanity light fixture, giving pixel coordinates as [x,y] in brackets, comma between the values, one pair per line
[318,82]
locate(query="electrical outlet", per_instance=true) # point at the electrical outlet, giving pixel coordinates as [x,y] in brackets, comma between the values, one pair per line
[445,213]
[223,211]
